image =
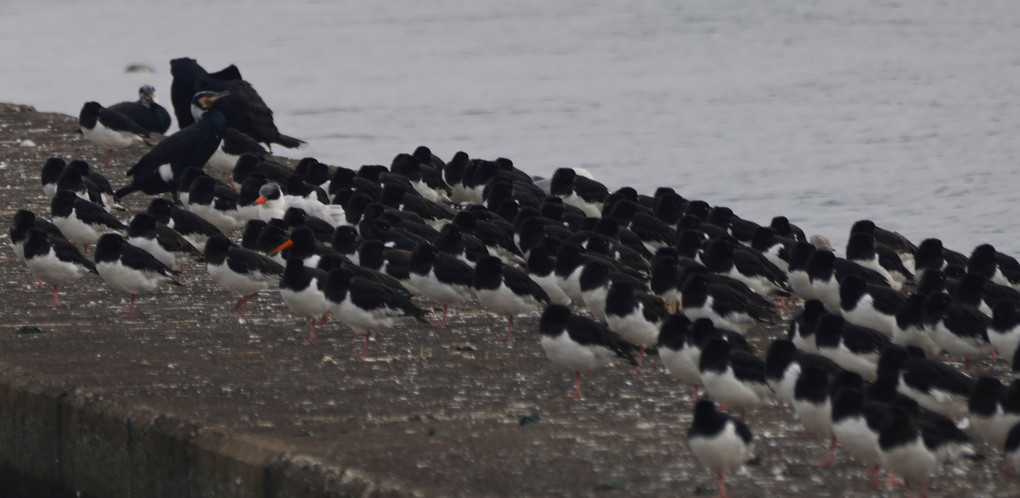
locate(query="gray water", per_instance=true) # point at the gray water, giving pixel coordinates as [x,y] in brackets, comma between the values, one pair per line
[905,112]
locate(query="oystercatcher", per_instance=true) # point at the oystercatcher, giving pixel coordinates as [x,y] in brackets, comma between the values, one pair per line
[130,269]
[303,291]
[145,111]
[239,270]
[857,423]
[852,347]
[191,226]
[579,343]
[506,290]
[933,384]
[82,221]
[366,305]
[903,450]
[54,260]
[803,325]
[580,191]
[87,184]
[994,265]
[108,129]
[735,378]
[50,173]
[163,242]
[215,204]
[959,329]
[812,403]
[869,305]
[863,250]
[987,413]
[719,441]
[441,278]
[678,351]
[25,220]
[784,365]
[1004,330]
[910,328]
[636,315]
[725,305]
[234,144]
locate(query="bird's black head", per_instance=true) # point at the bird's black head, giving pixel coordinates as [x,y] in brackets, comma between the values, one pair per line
[337,284]
[935,306]
[488,273]
[594,274]
[715,355]
[345,239]
[63,203]
[51,170]
[812,385]
[216,249]
[929,255]
[142,225]
[160,208]
[781,352]
[891,361]
[422,259]
[554,320]
[108,247]
[250,235]
[863,226]
[982,260]
[23,220]
[674,331]
[985,396]
[562,182]
[36,243]
[861,246]
[89,114]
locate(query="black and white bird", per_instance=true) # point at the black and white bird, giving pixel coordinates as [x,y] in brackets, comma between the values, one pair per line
[825,272]
[54,260]
[579,191]
[303,291]
[234,145]
[215,204]
[933,384]
[366,305]
[990,417]
[994,265]
[441,278]
[163,242]
[506,290]
[862,249]
[852,347]
[932,255]
[725,305]
[904,451]
[160,169]
[82,221]
[24,220]
[910,328]
[812,403]
[958,329]
[241,271]
[1004,330]
[145,111]
[108,129]
[869,305]
[678,351]
[50,173]
[803,325]
[725,257]
[734,378]
[784,365]
[636,315]
[130,269]
[719,441]
[87,184]
[540,267]
[579,343]
[191,226]
[857,423]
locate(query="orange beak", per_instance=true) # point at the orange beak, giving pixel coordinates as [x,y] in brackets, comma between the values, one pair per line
[282,247]
[261,200]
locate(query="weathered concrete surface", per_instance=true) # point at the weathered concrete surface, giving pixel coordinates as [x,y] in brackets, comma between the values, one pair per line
[185,399]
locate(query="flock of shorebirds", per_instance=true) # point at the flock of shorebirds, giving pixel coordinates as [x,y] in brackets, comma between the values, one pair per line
[613,274]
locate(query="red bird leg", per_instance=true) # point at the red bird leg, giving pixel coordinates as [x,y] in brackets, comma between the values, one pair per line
[56,298]
[640,360]
[38,284]
[832,453]
[442,323]
[509,328]
[577,385]
[364,349]
[966,364]
[311,335]
[722,485]
[109,157]
[994,355]
[85,249]
[131,308]
[875,482]
[242,303]
[697,397]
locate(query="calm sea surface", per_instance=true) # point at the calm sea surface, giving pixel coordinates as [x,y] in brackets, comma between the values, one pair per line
[905,112]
